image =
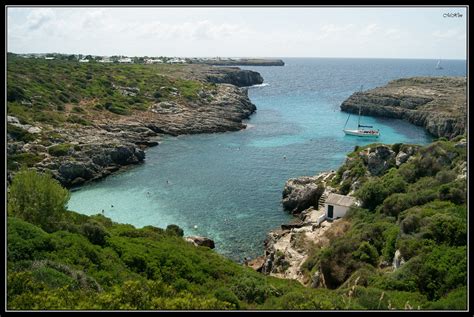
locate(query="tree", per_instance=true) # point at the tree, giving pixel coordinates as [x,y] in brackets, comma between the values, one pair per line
[37,198]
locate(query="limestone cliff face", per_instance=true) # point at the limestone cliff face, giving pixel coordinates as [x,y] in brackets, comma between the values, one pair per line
[234,76]
[436,103]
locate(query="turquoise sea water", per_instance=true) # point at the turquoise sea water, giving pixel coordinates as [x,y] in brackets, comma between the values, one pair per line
[228,186]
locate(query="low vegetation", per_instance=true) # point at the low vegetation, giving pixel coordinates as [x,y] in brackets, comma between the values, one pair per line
[64,90]
[418,209]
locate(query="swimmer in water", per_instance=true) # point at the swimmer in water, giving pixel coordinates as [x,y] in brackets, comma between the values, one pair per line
[284,157]
[112,206]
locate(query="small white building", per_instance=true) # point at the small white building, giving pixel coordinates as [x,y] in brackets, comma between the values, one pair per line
[83,61]
[125,60]
[336,205]
[105,60]
[49,57]
[153,61]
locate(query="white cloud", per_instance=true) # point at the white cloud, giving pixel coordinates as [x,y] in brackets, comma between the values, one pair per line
[332,30]
[454,33]
[369,30]
[38,18]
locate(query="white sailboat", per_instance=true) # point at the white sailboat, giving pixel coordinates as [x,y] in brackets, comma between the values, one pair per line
[362,130]
[438,66]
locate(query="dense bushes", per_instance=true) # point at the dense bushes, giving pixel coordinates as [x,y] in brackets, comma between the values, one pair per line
[38,199]
[374,191]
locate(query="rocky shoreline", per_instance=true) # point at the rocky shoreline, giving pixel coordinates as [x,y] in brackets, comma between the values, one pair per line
[76,154]
[436,103]
[286,248]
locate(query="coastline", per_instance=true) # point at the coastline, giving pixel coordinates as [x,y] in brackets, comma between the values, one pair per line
[76,154]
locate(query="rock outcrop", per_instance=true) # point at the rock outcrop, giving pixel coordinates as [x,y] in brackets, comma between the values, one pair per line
[201,241]
[436,103]
[303,192]
[378,159]
[234,76]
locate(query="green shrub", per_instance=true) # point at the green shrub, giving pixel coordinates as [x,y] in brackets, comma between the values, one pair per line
[446,228]
[174,230]
[455,300]
[440,271]
[60,149]
[372,194]
[76,119]
[390,236]
[396,147]
[16,161]
[226,295]
[15,93]
[366,253]
[157,95]
[19,134]
[94,232]
[119,110]
[37,198]
[78,109]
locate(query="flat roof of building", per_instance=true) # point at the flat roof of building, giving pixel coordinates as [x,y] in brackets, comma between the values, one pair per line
[341,200]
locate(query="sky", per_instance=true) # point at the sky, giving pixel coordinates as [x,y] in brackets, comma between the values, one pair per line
[360,32]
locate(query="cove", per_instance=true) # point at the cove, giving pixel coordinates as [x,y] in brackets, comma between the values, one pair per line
[227,186]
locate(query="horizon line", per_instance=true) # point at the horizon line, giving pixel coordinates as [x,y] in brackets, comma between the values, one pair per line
[260,57]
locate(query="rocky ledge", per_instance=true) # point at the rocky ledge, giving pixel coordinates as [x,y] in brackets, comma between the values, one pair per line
[76,154]
[436,103]
[286,248]
[234,76]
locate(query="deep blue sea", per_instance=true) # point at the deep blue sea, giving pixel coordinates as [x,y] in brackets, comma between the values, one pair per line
[228,186]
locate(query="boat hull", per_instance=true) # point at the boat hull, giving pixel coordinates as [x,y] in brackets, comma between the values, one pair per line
[363,133]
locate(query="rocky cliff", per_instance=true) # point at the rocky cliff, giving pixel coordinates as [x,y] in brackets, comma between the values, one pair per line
[234,76]
[436,103]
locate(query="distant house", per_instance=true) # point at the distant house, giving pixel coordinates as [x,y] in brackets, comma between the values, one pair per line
[125,60]
[336,205]
[105,60]
[153,61]
[83,60]
[49,57]
[176,61]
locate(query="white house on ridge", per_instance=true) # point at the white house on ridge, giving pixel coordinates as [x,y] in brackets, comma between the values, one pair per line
[337,205]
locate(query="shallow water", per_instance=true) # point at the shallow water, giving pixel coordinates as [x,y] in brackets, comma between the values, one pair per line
[228,186]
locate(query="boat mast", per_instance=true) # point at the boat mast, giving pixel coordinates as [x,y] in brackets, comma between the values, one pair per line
[358,122]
